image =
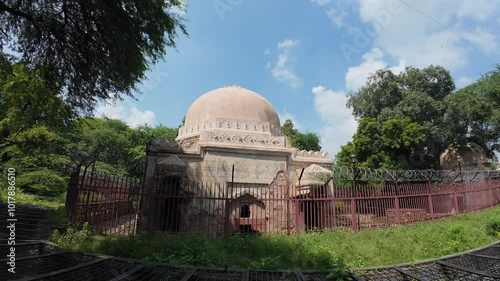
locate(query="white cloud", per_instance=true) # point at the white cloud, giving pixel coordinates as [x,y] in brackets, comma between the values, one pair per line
[281,69]
[463,82]
[267,52]
[482,39]
[336,16]
[285,115]
[138,117]
[479,9]
[356,76]
[339,124]
[424,32]
[114,109]
[287,43]
[321,2]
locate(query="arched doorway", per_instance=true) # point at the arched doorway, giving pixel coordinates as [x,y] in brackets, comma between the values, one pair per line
[168,204]
[247,214]
[245,211]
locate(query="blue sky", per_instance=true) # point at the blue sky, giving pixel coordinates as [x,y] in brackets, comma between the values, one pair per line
[304,56]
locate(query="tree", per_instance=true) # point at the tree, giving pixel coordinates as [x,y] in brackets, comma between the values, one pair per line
[382,145]
[301,141]
[416,94]
[419,115]
[90,48]
[106,142]
[29,109]
[33,118]
[140,136]
[473,113]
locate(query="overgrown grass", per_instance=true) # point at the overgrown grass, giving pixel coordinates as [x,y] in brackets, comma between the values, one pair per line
[329,249]
[24,198]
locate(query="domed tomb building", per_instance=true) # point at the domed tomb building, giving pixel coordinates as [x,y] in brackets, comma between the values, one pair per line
[466,157]
[230,147]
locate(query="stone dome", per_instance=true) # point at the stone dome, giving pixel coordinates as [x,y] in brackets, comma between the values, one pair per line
[473,157]
[233,104]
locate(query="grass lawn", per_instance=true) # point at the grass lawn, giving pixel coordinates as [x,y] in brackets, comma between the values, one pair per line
[321,250]
[23,198]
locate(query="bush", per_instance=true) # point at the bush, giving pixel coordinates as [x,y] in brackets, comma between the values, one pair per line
[42,182]
[493,226]
[72,237]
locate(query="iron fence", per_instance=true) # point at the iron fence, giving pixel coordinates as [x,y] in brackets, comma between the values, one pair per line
[109,204]
[352,199]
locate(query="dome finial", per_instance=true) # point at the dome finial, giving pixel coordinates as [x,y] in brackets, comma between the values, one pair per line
[234,86]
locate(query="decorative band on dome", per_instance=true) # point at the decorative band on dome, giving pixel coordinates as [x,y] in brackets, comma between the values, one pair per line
[234,86]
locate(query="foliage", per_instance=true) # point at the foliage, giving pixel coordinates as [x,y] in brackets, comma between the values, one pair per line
[301,141]
[30,111]
[72,236]
[32,124]
[43,140]
[412,117]
[333,249]
[81,50]
[117,148]
[382,145]
[106,140]
[23,198]
[42,182]
[473,112]
[140,136]
[493,226]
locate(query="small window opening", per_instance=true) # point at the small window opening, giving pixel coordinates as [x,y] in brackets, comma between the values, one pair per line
[245,211]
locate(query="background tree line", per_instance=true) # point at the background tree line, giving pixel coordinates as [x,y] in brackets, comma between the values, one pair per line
[43,138]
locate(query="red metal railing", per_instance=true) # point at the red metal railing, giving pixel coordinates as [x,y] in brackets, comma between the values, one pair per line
[173,205]
[110,204]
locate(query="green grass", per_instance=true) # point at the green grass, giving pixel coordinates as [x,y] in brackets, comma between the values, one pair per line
[330,249]
[23,198]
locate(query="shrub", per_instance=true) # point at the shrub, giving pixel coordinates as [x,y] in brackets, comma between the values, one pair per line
[493,226]
[42,182]
[72,237]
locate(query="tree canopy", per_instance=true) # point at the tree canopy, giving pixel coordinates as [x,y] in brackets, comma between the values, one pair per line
[302,141]
[407,120]
[44,141]
[89,49]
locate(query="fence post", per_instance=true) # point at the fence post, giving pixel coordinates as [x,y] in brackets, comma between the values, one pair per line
[455,200]
[298,227]
[88,193]
[398,211]
[288,218]
[492,196]
[490,191]
[354,221]
[474,197]
[72,193]
[431,206]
